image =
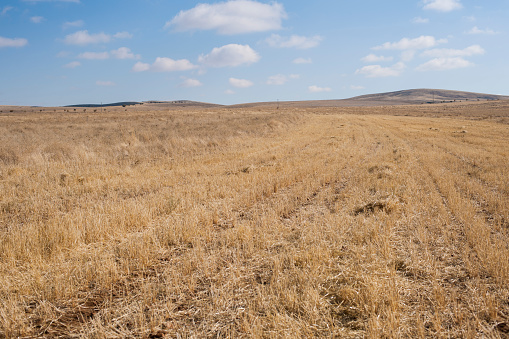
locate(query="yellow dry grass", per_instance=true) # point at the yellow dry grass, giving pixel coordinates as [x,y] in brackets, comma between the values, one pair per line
[326,222]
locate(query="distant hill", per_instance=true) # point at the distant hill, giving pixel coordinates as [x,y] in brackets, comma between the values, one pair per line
[406,97]
[179,103]
[152,103]
[126,103]
[417,96]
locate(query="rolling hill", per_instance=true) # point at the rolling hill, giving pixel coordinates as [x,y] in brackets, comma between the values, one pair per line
[405,97]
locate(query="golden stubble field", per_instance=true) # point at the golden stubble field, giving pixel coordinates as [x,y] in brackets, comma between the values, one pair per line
[262,223]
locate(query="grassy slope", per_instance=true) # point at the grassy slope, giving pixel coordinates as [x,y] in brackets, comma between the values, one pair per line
[249,223]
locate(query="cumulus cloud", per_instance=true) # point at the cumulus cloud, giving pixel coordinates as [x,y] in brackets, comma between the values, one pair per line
[123,35]
[444,64]
[422,42]
[16,42]
[375,58]
[294,41]
[164,65]
[407,55]
[84,38]
[303,61]
[442,5]
[232,55]
[191,83]
[377,71]
[105,83]
[170,65]
[419,20]
[71,24]
[448,53]
[124,53]
[231,17]
[477,30]
[317,89]
[37,19]
[72,64]
[141,67]
[240,83]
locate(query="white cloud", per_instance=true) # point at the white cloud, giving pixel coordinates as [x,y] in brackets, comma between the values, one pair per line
[377,71]
[124,53]
[375,58]
[6,9]
[316,89]
[421,42]
[231,17]
[94,55]
[443,64]
[448,53]
[191,83]
[442,5]
[84,38]
[240,83]
[105,83]
[477,30]
[303,61]
[232,55]
[72,64]
[16,42]
[357,88]
[123,35]
[419,20]
[294,41]
[170,65]
[141,67]
[164,65]
[407,55]
[229,92]
[37,19]
[71,24]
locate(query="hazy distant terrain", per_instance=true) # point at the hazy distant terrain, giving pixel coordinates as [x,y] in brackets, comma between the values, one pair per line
[406,97]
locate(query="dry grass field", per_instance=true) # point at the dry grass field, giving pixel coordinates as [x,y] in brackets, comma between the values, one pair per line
[378,222]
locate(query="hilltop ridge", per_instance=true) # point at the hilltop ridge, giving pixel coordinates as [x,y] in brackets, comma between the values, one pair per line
[428,95]
[404,97]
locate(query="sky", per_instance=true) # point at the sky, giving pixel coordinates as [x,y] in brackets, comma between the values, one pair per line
[64,52]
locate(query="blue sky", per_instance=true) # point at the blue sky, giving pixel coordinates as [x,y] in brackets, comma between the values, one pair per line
[60,52]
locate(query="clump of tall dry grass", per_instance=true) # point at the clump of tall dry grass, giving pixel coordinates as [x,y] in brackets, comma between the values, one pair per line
[252,223]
